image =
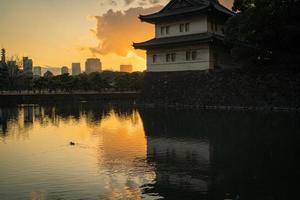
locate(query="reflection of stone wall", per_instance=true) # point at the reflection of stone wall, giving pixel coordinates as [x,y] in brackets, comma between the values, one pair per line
[224,88]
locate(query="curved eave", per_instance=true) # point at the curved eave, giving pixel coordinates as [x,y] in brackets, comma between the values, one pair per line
[178,41]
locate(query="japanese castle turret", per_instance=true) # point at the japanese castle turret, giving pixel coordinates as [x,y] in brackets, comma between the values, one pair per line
[188,36]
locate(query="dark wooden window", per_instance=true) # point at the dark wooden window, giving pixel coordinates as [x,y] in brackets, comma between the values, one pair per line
[194,55]
[167,30]
[154,58]
[162,30]
[187,27]
[173,57]
[181,27]
[168,57]
[188,55]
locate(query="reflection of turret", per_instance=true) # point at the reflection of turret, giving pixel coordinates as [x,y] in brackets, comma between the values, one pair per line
[180,155]
[28,114]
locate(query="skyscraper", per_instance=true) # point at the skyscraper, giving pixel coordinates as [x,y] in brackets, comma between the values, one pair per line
[76,69]
[64,70]
[93,65]
[27,64]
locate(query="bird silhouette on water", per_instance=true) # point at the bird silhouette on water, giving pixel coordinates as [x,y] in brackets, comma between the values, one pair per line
[72,143]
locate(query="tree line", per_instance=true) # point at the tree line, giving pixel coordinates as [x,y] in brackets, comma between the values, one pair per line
[107,80]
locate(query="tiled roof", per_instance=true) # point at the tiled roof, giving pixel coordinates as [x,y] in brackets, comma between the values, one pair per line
[180,7]
[179,40]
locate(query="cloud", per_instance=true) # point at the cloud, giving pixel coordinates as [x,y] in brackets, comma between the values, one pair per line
[227,3]
[116,30]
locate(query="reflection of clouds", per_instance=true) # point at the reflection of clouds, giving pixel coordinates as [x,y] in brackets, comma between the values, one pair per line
[122,140]
[113,138]
[123,158]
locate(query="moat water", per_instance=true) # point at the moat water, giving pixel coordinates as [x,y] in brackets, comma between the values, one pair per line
[122,152]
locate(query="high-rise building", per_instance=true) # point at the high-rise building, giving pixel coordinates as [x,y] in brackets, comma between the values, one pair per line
[93,65]
[126,68]
[64,70]
[76,69]
[27,64]
[37,71]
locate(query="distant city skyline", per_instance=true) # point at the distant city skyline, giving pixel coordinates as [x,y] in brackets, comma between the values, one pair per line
[90,65]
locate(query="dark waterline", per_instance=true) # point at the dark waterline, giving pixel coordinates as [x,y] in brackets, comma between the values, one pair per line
[126,153]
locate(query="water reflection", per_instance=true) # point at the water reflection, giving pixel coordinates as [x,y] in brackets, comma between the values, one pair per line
[218,155]
[126,153]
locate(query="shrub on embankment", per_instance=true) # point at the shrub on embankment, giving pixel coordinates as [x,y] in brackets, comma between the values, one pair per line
[248,88]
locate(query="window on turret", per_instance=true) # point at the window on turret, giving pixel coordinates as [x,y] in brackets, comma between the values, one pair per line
[188,55]
[162,30]
[154,58]
[167,30]
[181,28]
[194,55]
[187,27]
[168,57]
[173,57]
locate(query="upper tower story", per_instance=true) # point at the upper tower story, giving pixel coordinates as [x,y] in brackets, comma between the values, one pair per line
[184,17]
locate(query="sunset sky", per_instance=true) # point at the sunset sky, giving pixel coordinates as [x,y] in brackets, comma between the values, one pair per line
[58,32]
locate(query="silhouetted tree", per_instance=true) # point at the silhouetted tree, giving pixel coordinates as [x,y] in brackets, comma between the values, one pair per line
[94,81]
[84,82]
[40,84]
[271,29]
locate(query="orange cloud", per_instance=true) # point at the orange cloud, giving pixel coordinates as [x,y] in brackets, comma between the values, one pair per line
[227,3]
[119,27]
[116,30]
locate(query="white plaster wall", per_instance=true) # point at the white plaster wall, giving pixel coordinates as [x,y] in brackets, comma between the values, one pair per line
[197,25]
[181,64]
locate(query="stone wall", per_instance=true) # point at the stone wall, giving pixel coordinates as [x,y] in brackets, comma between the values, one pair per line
[233,88]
